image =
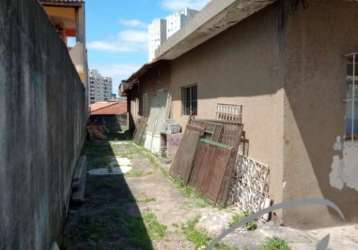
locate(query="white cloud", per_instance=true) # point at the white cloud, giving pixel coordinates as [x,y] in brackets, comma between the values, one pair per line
[133,23]
[175,5]
[134,36]
[126,41]
[118,72]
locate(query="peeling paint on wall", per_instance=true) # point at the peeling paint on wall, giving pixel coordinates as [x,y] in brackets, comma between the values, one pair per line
[344,165]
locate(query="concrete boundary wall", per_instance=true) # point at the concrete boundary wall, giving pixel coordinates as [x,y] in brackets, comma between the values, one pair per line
[42,120]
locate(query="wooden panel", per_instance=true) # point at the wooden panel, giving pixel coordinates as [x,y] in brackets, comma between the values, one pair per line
[211,170]
[232,135]
[139,131]
[184,158]
[200,168]
[224,132]
[208,165]
[218,171]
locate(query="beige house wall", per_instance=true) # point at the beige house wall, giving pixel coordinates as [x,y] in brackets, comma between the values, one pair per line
[317,40]
[289,75]
[240,66]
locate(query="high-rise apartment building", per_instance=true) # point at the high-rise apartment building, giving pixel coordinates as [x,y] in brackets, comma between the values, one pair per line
[156,36]
[177,20]
[161,29]
[100,88]
[107,92]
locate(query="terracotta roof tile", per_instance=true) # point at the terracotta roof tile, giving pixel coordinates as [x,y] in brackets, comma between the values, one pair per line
[109,108]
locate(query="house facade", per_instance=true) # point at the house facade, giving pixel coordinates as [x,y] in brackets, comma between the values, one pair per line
[69,19]
[291,65]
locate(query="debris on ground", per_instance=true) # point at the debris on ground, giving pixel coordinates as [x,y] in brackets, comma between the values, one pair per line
[147,209]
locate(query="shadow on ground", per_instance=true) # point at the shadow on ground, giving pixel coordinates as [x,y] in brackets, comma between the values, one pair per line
[104,220]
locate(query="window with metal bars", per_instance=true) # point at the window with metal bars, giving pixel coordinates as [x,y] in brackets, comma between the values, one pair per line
[352,98]
[189,97]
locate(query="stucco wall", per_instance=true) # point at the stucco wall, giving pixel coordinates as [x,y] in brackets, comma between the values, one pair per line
[240,66]
[157,78]
[43,113]
[317,40]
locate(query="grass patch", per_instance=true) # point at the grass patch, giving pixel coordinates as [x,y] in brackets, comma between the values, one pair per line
[275,244]
[128,149]
[147,200]
[156,230]
[198,199]
[141,231]
[251,226]
[199,238]
[137,173]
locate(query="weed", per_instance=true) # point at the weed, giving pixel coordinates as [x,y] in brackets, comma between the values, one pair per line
[134,229]
[189,192]
[223,247]
[199,239]
[137,173]
[275,244]
[146,200]
[251,226]
[199,201]
[156,230]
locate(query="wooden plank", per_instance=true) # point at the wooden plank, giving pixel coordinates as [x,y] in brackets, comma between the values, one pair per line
[199,167]
[227,180]
[139,131]
[184,158]
[217,170]
[210,169]
[212,159]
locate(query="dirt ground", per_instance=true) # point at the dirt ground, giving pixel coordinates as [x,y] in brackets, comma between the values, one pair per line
[142,209]
[146,209]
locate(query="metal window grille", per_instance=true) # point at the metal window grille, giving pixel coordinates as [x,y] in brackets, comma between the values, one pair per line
[352,100]
[189,97]
[229,112]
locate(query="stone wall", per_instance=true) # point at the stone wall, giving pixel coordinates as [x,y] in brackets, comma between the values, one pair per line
[42,118]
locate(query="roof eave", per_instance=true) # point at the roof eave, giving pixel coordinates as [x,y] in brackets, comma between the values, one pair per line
[62,3]
[215,18]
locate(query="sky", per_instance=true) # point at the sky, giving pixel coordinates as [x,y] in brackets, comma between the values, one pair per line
[117,33]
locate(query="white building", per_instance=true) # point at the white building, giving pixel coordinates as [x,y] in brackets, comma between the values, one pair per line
[100,88]
[107,88]
[161,29]
[156,36]
[177,20]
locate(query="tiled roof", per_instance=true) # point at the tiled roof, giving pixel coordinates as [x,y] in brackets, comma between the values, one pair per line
[62,2]
[109,108]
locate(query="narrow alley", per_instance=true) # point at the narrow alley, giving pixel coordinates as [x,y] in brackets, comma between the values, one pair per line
[131,202]
[141,209]
[178,125]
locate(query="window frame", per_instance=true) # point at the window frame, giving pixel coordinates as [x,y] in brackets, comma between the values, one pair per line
[189,106]
[351,98]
